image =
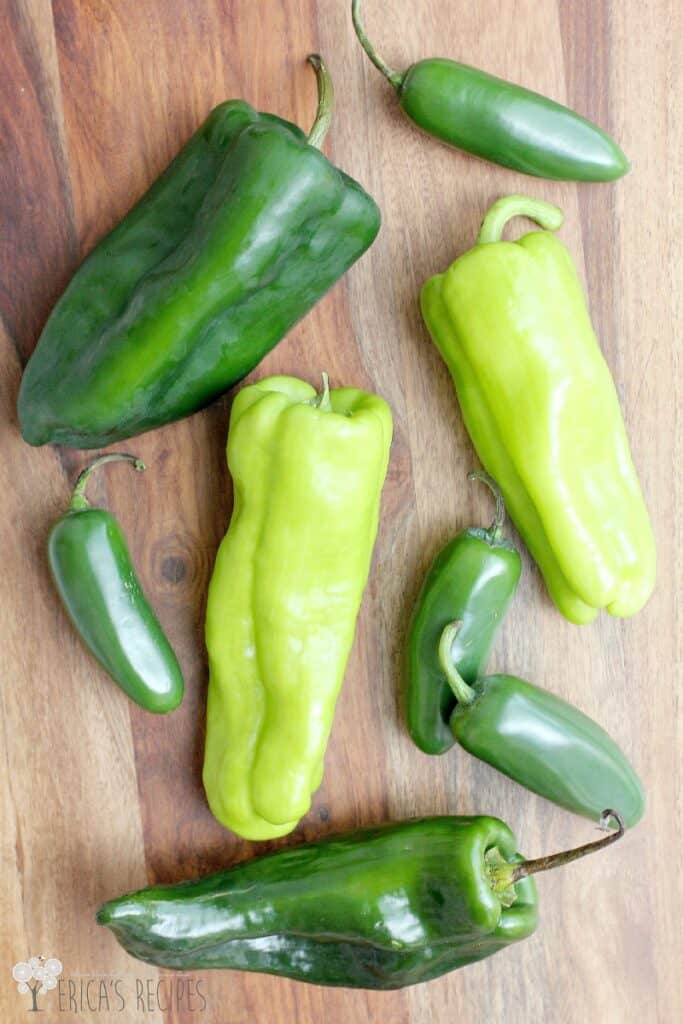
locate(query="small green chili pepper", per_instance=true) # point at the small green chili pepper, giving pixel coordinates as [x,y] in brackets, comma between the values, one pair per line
[541,741]
[379,909]
[95,578]
[500,121]
[473,579]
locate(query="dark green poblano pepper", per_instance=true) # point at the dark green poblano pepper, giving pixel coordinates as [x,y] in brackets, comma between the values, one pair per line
[379,909]
[247,228]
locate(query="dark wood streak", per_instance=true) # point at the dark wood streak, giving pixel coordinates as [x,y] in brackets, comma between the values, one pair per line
[38,245]
[38,241]
[587,46]
[585,29]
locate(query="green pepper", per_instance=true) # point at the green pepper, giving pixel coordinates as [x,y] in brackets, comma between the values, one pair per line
[499,121]
[379,909]
[472,579]
[284,597]
[540,741]
[243,233]
[96,580]
[540,406]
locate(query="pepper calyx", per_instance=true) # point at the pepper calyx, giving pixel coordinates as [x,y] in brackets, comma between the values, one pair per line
[502,875]
[499,874]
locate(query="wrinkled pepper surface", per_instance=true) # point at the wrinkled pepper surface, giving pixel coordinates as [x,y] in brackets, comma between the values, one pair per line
[285,593]
[540,405]
[473,579]
[247,228]
[541,741]
[379,909]
[99,588]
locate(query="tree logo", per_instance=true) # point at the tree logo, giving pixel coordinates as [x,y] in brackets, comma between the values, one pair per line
[42,972]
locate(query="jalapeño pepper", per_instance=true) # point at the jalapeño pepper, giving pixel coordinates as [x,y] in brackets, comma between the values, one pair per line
[541,741]
[378,909]
[473,580]
[499,121]
[96,581]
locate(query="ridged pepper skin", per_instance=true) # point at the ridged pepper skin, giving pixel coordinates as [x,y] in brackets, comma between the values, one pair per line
[308,472]
[549,746]
[539,403]
[473,580]
[378,909]
[498,120]
[99,588]
[242,234]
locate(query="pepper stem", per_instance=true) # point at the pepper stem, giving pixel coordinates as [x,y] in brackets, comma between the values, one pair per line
[464,694]
[392,76]
[548,216]
[322,401]
[503,875]
[79,502]
[496,528]
[323,115]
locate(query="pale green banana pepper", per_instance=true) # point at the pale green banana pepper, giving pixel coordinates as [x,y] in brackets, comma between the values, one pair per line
[308,472]
[540,405]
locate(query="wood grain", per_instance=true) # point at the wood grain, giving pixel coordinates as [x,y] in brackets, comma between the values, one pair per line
[98,797]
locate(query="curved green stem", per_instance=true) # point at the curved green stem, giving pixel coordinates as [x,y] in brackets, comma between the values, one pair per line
[502,875]
[323,115]
[392,76]
[322,401]
[496,527]
[464,694]
[548,216]
[79,502]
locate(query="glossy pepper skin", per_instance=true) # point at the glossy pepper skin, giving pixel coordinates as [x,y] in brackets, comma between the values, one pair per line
[285,593]
[542,742]
[473,580]
[380,909]
[247,228]
[499,121]
[539,403]
[96,581]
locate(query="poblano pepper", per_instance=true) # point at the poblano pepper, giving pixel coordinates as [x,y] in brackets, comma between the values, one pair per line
[540,741]
[473,579]
[378,909]
[283,600]
[247,228]
[540,406]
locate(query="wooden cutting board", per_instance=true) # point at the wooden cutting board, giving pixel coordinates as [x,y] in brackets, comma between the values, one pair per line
[99,797]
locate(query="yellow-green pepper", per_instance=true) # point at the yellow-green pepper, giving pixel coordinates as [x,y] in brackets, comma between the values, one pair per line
[285,593]
[540,405]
